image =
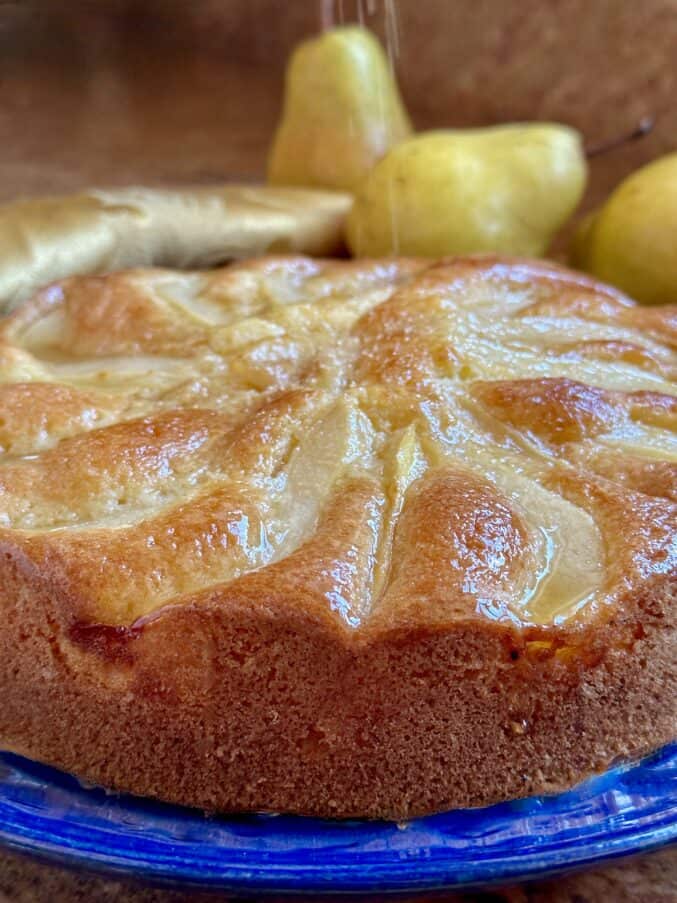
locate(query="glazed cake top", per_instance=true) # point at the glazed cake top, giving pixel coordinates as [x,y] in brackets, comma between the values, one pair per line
[377,444]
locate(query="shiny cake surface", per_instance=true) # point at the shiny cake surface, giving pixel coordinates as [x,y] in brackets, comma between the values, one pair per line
[381,443]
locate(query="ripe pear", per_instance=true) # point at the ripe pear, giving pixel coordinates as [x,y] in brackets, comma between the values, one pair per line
[342,111]
[505,189]
[632,239]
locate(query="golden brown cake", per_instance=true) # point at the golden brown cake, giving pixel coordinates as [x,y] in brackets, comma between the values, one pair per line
[350,539]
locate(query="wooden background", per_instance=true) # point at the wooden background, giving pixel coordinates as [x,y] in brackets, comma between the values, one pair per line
[171,91]
[182,91]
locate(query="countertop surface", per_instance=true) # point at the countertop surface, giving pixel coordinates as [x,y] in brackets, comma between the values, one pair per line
[648,879]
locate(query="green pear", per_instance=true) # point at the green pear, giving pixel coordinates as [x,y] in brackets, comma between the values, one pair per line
[632,240]
[342,112]
[504,189]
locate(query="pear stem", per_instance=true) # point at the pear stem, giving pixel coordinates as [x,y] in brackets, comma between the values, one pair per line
[643,128]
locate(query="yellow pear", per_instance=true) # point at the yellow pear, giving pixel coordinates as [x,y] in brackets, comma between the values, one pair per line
[632,239]
[506,189]
[342,112]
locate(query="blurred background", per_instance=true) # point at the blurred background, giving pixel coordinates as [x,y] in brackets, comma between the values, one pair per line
[109,92]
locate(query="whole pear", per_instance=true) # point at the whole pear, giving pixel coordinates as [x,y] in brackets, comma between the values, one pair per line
[631,241]
[505,188]
[342,111]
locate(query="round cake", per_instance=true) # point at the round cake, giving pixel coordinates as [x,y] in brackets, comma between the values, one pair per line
[374,538]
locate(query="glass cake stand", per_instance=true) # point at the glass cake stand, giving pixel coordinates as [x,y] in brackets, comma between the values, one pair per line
[627,810]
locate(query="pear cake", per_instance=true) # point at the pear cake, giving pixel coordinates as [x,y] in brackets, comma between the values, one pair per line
[374,538]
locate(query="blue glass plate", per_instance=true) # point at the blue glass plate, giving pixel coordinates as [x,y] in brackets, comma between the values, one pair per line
[624,811]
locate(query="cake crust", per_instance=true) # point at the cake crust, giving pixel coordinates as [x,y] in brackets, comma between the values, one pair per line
[344,539]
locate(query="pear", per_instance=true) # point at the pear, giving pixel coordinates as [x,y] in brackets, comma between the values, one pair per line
[342,112]
[504,189]
[632,240]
